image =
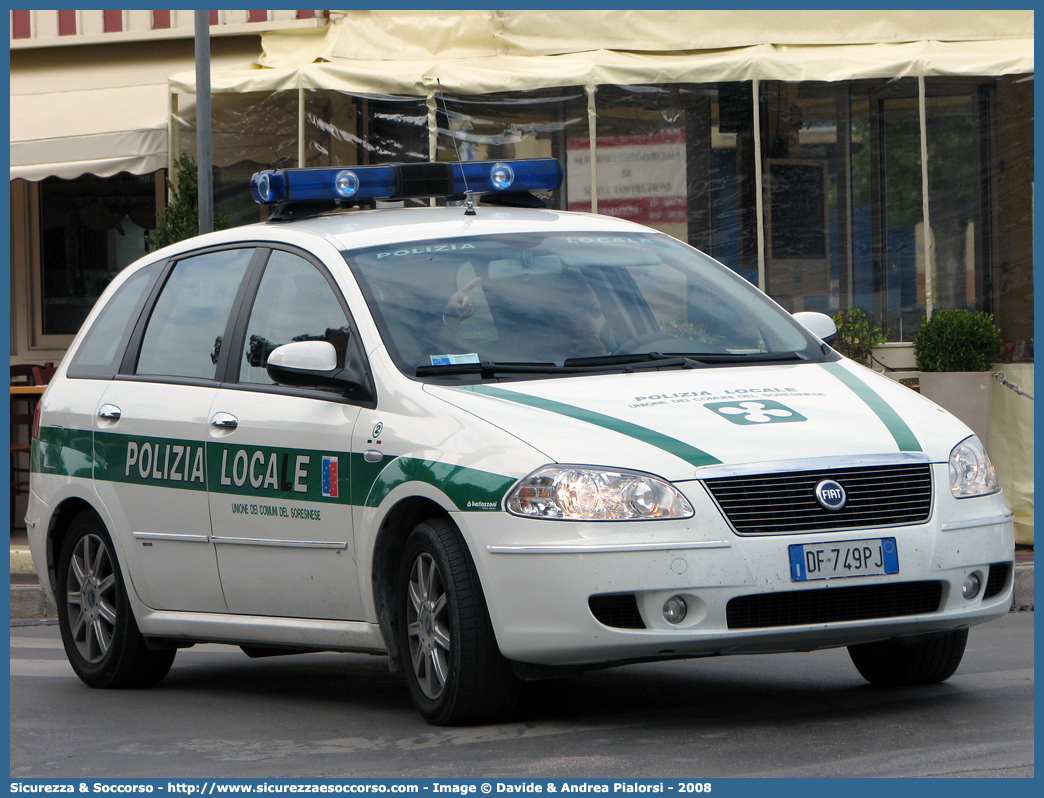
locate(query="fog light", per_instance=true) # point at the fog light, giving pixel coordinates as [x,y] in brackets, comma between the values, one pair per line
[970,590]
[675,609]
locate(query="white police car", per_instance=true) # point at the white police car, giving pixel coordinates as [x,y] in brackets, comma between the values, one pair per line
[499,443]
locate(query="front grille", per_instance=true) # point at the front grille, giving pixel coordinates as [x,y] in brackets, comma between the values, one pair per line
[833,605]
[997,579]
[618,610]
[765,504]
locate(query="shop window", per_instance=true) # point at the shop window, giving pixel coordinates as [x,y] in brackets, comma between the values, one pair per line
[678,158]
[959,189]
[89,229]
[539,124]
[250,131]
[804,138]
[641,157]
[1011,211]
[351,129]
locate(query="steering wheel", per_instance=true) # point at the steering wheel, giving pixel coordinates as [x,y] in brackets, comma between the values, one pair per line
[639,341]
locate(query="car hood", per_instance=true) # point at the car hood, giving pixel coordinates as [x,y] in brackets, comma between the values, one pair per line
[677,423]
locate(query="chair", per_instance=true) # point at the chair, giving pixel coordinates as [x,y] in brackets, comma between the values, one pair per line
[22,373]
[42,374]
[21,430]
[21,426]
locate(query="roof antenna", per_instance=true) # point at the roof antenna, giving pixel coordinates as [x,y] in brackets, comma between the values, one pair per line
[469,199]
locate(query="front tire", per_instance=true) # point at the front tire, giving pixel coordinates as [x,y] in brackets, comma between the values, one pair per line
[454,670]
[100,635]
[910,661]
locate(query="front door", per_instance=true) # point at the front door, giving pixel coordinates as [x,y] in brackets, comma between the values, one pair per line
[278,458]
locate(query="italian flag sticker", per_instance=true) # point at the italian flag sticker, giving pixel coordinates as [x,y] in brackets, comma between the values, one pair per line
[330,476]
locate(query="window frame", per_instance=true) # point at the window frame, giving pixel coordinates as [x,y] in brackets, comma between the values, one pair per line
[75,370]
[229,370]
[30,227]
[132,353]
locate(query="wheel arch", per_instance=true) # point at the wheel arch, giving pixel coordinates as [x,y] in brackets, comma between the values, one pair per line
[62,517]
[390,541]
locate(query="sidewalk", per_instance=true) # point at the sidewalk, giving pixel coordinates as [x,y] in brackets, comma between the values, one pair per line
[28,605]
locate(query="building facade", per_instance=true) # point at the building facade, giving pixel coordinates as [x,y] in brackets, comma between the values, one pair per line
[90,115]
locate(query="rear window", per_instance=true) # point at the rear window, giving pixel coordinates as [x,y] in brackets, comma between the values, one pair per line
[186,329]
[101,350]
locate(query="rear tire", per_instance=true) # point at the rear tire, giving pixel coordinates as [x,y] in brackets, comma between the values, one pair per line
[100,635]
[904,662]
[454,669]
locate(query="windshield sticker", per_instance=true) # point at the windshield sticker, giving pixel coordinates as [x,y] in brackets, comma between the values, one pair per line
[402,253]
[764,411]
[454,360]
[610,240]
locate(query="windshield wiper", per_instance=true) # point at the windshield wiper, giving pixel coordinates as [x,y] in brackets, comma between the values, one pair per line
[488,369]
[691,359]
[744,357]
[659,359]
[576,365]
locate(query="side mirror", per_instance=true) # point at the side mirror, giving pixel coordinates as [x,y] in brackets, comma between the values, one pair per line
[313,364]
[819,324]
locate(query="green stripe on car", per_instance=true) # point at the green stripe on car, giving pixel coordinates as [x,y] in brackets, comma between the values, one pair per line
[468,488]
[257,471]
[689,454]
[903,435]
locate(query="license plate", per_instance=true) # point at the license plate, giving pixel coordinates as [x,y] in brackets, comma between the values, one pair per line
[810,561]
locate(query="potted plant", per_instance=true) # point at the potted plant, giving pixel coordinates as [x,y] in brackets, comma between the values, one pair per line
[857,335]
[955,350]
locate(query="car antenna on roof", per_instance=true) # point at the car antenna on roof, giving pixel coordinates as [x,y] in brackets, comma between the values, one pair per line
[469,199]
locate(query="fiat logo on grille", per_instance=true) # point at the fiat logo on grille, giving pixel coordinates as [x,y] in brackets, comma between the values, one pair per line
[830,495]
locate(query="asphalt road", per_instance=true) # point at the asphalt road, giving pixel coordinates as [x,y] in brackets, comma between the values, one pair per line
[790,715]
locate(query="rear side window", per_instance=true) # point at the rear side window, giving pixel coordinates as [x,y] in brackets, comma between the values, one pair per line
[102,349]
[185,331]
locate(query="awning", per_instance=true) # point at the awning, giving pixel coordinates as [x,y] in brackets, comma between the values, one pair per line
[483,75]
[479,52]
[97,131]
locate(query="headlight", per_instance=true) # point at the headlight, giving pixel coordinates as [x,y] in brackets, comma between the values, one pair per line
[579,493]
[971,472]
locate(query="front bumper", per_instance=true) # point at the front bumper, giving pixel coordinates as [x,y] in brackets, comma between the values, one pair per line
[538,576]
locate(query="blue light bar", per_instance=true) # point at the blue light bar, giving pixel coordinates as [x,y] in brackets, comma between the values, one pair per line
[402,181]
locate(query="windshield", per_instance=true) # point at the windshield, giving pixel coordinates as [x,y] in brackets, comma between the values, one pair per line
[540,303]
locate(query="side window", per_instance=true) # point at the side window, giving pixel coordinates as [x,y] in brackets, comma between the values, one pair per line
[184,334]
[295,302]
[102,348]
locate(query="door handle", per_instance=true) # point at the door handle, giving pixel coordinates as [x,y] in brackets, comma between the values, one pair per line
[224,421]
[109,412]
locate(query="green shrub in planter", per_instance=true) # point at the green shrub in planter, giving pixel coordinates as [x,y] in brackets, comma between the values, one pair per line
[857,335]
[957,340]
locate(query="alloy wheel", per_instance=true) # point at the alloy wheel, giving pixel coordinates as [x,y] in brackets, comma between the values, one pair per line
[90,597]
[427,626]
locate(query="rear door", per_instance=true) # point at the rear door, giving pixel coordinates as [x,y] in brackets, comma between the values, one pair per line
[151,429]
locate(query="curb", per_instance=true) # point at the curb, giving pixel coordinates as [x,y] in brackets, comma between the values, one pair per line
[29,603]
[1022,600]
